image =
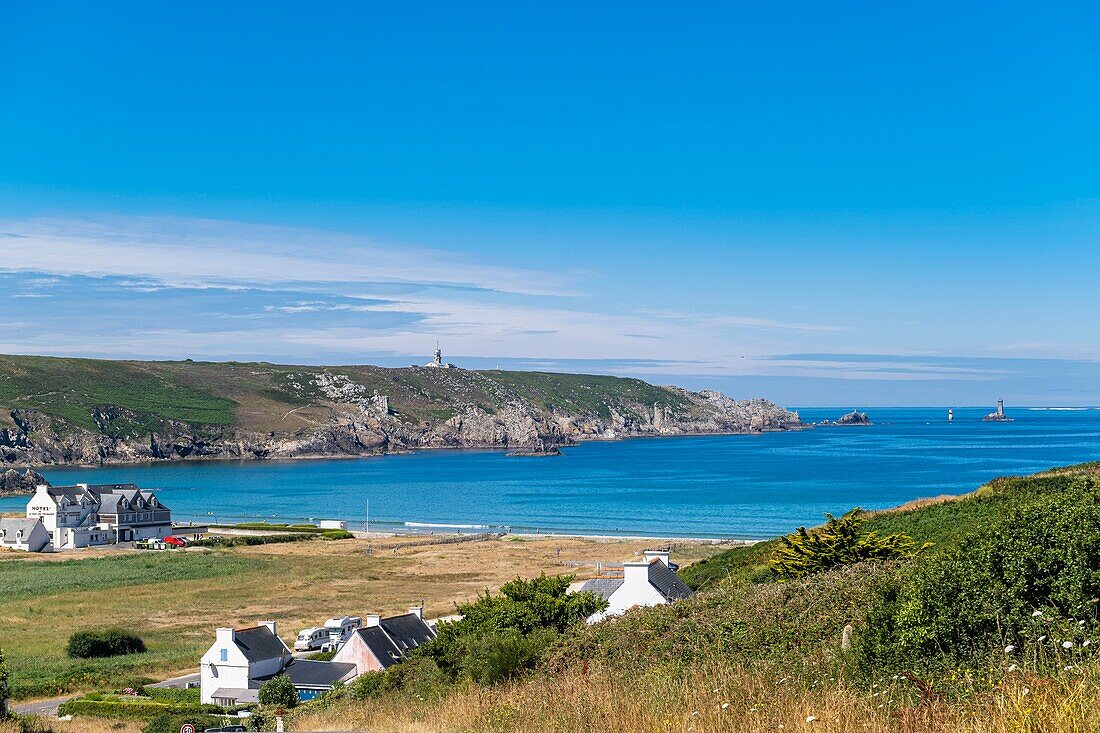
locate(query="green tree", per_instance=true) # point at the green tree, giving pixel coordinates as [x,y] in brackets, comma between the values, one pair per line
[278,692]
[840,542]
[501,635]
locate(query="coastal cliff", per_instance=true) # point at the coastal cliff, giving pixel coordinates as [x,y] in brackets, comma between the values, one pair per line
[79,411]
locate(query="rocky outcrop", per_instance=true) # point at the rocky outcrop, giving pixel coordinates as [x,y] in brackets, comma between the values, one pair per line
[355,422]
[13,483]
[854,418]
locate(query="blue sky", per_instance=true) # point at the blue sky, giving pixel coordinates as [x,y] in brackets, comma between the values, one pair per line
[846,203]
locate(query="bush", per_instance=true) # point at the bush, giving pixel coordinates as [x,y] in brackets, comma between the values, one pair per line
[103,643]
[278,692]
[497,625]
[841,542]
[131,709]
[496,656]
[1028,580]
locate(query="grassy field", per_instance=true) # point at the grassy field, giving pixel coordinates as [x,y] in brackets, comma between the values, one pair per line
[174,600]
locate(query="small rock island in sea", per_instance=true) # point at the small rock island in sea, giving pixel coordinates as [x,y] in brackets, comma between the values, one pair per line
[13,483]
[854,418]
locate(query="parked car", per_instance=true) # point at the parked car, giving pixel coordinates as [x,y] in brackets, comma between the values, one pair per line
[310,639]
[175,541]
[227,729]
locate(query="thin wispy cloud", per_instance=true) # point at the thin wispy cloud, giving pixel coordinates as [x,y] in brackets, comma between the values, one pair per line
[202,252]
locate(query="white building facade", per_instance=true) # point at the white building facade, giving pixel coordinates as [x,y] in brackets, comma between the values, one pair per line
[85,515]
[650,582]
[27,535]
[229,669]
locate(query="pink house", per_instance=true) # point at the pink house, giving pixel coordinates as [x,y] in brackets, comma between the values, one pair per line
[383,642]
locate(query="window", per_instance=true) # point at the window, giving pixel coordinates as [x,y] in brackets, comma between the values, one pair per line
[225,655]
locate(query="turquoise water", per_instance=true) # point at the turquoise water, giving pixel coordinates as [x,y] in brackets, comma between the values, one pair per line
[746,486]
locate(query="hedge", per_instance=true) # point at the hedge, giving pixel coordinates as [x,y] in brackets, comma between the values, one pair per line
[103,643]
[132,710]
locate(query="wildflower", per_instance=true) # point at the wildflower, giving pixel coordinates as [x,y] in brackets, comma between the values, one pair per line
[1043,637]
[1067,668]
[715,690]
[1036,614]
[1086,642]
[1013,667]
[1067,644]
[1026,690]
[811,718]
[725,705]
[1009,649]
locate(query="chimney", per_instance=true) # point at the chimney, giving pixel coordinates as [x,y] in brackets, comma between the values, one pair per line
[661,554]
[224,637]
[272,627]
[635,574]
[373,619]
[417,611]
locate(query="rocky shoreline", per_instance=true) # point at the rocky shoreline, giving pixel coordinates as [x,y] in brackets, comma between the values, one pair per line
[352,425]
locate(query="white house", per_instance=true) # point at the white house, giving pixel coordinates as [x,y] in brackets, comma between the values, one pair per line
[239,657]
[240,660]
[29,535]
[84,515]
[650,582]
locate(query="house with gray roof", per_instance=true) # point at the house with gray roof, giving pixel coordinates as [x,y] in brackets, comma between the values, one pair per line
[650,582]
[384,642]
[241,660]
[28,535]
[84,515]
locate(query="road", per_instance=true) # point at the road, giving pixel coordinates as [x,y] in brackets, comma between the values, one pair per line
[49,707]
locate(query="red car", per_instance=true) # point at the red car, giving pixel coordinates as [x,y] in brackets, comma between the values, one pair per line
[174,541]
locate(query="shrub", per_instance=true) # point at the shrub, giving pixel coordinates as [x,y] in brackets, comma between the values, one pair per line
[1025,581]
[130,709]
[499,624]
[278,692]
[496,656]
[103,643]
[839,543]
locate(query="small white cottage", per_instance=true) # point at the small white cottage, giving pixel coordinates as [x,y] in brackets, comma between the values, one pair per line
[650,582]
[28,535]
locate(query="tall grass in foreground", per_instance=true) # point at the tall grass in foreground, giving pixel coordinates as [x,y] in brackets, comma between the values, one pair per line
[722,698]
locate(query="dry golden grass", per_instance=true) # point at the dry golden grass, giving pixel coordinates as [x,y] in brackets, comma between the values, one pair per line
[722,699]
[297,584]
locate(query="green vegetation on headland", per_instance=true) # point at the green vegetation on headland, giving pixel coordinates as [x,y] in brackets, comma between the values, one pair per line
[55,410]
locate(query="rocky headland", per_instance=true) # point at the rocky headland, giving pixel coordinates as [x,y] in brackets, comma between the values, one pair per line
[257,411]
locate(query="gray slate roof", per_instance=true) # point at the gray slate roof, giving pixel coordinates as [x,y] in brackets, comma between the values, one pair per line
[661,577]
[603,587]
[380,645]
[13,525]
[258,643]
[408,631]
[667,582]
[308,673]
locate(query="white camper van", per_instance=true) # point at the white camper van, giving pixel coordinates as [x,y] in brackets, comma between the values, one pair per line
[340,629]
[310,639]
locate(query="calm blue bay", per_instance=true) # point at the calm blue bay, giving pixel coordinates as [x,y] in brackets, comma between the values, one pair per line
[719,486]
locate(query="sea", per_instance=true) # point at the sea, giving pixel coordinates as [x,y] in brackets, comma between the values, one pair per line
[722,486]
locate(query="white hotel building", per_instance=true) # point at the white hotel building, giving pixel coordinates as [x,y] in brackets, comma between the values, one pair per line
[84,515]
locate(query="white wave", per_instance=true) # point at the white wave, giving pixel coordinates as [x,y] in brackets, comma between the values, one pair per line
[430,525]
